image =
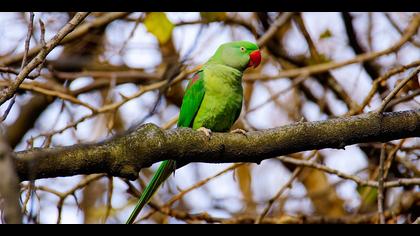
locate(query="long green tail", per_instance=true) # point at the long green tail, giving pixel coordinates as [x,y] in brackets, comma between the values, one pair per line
[165,170]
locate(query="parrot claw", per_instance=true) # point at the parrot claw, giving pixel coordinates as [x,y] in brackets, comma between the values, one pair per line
[239,131]
[206,131]
[303,119]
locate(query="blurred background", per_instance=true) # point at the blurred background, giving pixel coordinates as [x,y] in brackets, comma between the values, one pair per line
[113,65]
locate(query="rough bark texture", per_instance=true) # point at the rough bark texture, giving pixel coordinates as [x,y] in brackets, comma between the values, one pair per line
[126,154]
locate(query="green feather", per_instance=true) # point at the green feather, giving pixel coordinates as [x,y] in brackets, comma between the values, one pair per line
[164,171]
[192,100]
[190,105]
[213,99]
[222,101]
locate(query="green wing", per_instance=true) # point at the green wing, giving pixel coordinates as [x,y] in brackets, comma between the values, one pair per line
[192,100]
[190,105]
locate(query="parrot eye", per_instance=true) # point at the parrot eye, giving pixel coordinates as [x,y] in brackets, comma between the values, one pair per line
[242,49]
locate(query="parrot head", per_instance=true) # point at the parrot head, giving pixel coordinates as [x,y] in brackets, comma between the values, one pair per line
[238,54]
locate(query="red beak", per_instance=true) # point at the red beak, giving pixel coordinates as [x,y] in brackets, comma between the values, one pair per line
[255,58]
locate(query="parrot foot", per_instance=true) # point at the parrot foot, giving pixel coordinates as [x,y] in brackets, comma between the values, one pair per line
[303,119]
[206,131]
[239,131]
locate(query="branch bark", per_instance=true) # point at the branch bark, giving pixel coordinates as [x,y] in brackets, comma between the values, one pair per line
[126,154]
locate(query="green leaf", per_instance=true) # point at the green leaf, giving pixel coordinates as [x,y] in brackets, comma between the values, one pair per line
[321,59]
[368,194]
[326,34]
[159,25]
[213,16]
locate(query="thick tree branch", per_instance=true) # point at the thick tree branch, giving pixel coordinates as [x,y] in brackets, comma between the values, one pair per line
[126,154]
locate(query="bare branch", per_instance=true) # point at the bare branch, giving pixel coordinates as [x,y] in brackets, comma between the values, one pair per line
[398,29]
[320,68]
[28,39]
[377,81]
[24,60]
[78,33]
[79,17]
[397,89]
[356,179]
[281,20]
[125,155]
[370,67]
[381,179]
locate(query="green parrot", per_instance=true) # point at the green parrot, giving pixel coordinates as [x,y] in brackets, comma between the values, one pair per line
[212,102]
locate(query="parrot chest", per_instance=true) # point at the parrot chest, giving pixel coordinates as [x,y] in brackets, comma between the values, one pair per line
[222,103]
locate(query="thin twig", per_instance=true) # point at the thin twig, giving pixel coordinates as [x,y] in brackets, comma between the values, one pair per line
[397,89]
[273,96]
[379,80]
[8,109]
[53,92]
[191,188]
[24,61]
[138,20]
[391,156]
[76,34]
[43,43]
[281,20]
[371,68]
[79,17]
[408,164]
[394,102]
[327,78]
[320,68]
[63,195]
[109,197]
[28,39]
[370,31]
[381,179]
[114,106]
[356,179]
[395,25]
[286,186]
